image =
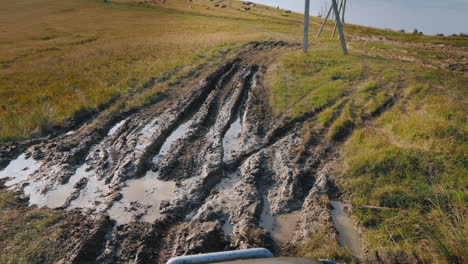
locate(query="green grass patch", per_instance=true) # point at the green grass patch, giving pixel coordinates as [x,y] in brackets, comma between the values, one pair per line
[405,143]
[331,113]
[379,46]
[413,162]
[27,235]
[321,246]
[344,125]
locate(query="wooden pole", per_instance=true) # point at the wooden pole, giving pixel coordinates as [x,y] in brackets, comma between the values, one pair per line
[324,22]
[305,44]
[340,28]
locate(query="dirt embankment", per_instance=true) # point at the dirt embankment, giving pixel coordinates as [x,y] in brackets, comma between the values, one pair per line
[437,56]
[212,170]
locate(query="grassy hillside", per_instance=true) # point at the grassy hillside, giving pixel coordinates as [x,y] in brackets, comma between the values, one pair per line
[60,58]
[395,109]
[65,58]
[399,129]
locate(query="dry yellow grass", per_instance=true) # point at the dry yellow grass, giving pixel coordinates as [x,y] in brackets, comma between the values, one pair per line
[59,57]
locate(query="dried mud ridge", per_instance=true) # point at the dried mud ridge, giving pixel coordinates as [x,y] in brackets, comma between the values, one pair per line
[211,171]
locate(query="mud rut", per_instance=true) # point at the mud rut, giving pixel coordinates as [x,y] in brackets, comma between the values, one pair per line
[212,171]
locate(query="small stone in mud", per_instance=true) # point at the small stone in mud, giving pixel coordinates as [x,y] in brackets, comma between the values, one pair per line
[164,205]
[116,197]
[81,183]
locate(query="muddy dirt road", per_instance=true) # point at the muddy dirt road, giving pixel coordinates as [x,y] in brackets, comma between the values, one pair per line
[210,171]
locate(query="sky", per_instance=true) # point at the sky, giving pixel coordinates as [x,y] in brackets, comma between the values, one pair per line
[429,16]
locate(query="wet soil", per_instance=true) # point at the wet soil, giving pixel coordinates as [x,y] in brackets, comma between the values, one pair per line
[208,169]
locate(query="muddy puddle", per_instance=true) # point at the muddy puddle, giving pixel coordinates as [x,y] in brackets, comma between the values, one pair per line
[178,133]
[228,228]
[145,135]
[281,227]
[223,153]
[347,235]
[141,199]
[19,169]
[92,195]
[231,139]
[59,195]
[33,190]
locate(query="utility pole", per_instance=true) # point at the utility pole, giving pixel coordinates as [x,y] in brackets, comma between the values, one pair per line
[338,24]
[305,44]
[340,4]
[340,28]
[324,22]
[344,10]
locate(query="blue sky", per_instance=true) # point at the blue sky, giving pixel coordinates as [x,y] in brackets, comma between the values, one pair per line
[429,16]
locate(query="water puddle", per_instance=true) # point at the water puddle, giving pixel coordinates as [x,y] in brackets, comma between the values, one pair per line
[178,133]
[281,227]
[347,235]
[92,194]
[146,134]
[33,189]
[58,196]
[174,136]
[227,228]
[141,199]
[231,139]
[116,127]
[19,170]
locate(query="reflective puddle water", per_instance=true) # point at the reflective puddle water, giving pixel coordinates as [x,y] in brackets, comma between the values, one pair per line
[347,235]
[178,133]
[145,135]
[92,195]
[227,228]
[226,184]
[231,139]
[35,197]
[19,170]
[281,227]
[34,189]
[58,196]
[141,199]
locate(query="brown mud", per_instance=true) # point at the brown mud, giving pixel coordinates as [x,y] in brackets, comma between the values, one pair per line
[210,170]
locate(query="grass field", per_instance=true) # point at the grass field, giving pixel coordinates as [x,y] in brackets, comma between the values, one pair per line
[401,126]
[58,58]
[62,58]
